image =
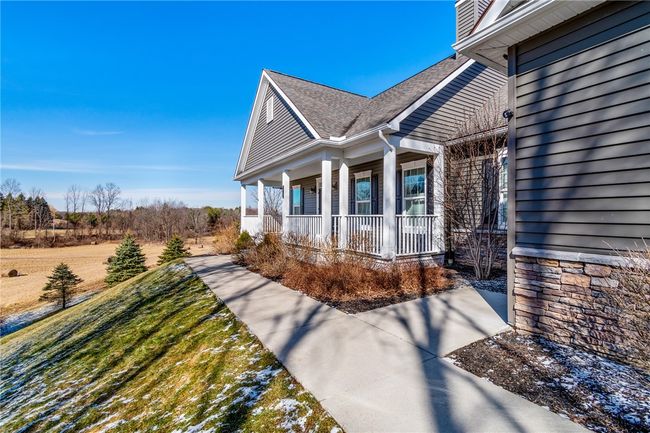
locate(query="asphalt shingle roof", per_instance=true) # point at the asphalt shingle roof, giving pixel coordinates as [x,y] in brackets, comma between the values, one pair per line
[335,112]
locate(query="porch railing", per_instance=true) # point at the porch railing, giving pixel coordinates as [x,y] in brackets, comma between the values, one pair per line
[305,228]
[417,234]
[362,233]
[272,224]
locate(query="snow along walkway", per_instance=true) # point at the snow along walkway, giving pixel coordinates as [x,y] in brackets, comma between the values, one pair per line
[382,370]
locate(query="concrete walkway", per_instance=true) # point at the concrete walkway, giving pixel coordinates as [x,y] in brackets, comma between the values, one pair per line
[382,370]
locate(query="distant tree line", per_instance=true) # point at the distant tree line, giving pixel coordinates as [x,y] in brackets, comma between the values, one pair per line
[103,214]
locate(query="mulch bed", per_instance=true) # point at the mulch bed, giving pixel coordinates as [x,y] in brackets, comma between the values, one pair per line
[603,395]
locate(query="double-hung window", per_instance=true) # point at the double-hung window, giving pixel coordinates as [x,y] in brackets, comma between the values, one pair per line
[296,199]
[414,187]
[363,193]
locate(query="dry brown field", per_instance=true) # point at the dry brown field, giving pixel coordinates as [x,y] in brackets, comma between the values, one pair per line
[88,261]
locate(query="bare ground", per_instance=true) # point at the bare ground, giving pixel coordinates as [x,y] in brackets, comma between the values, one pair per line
[603,395]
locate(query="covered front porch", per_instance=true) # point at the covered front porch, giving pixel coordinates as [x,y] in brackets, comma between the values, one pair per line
[383,198]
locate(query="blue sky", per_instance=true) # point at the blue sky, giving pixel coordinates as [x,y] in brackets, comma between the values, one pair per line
[156,96]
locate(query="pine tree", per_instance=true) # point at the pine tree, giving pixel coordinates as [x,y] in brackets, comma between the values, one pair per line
[61,285]
[175,249]
[127,262]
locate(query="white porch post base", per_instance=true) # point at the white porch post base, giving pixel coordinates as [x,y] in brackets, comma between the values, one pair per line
[389,232]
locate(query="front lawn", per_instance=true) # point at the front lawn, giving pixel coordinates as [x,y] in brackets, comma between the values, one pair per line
[156,353]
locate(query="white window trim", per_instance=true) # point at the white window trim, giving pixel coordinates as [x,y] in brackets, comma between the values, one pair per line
[269,109]
[412,165]
[362,175]
[293,205]
[318,187]
[503,219]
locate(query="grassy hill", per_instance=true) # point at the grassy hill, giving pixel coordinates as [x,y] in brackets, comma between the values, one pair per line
[157,353]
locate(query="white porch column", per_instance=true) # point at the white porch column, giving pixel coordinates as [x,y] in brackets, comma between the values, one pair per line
[260,204]
[326,199]
[439,198]
[242,211]
[389,234]
[344,200]
[286,201]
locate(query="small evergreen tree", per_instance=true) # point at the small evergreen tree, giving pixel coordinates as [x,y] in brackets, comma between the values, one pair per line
[127,262]
[61,285]
[175,249]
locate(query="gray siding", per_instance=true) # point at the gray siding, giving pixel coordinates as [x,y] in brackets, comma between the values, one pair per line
[308,184]
[436,120]
[467,14]
[283,133]
[583,132]
[377,167]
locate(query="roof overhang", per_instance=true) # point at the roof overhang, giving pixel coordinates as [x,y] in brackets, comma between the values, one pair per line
[321,143]
[489,42]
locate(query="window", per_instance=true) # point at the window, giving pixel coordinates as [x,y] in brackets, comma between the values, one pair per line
[269,109]
[414,187]
[503,193]
[296,199]
[362,193]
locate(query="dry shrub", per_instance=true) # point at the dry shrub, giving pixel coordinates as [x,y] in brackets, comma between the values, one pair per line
[631,299]
[269,257]
[225,239]
[351,282]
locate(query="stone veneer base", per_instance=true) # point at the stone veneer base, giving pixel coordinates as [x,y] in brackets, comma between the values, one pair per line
[566,301]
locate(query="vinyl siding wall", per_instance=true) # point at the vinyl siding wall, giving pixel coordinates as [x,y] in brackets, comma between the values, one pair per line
[377,168]
[467,14]
[283,133]
[436,120]
[582,109]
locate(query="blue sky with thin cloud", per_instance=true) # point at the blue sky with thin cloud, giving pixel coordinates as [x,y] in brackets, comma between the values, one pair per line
[156,96]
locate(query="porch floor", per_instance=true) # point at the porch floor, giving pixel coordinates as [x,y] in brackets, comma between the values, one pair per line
[381,370]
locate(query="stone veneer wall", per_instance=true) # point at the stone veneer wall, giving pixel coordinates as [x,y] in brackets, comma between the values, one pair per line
[566,301]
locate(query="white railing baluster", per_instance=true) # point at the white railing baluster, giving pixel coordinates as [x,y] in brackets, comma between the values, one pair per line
[417,234]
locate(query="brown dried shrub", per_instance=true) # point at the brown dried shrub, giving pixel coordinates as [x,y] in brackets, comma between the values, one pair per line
[225,239]
[351,282]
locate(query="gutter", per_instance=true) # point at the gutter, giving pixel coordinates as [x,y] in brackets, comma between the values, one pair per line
[332,142]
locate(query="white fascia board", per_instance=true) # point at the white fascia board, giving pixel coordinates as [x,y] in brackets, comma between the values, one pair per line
[293,107]
[416,145]
[347,143]
[519,19]
[250,128]
[394,124]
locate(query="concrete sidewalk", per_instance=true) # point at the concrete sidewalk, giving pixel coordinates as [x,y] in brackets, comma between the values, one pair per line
[382,370]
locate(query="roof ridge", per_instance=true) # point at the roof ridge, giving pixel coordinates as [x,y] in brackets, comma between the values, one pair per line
[414,75]
[318,84]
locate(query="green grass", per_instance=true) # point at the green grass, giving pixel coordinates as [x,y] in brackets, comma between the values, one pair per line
[156,353]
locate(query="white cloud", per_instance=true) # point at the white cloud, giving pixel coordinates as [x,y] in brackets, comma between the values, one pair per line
[94,132]
[55,167]
[82,167]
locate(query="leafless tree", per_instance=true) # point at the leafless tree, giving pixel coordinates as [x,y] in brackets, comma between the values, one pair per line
[112,197]
[10,188]
[272,201]
[198,222]
[474,164]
